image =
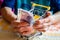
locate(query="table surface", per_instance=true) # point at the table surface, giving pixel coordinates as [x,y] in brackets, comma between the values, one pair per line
[5,31]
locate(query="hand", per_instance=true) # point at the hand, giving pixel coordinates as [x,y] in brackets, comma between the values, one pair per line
[15,24]
[23,28]
[42,24]
[49,21]
[38,26]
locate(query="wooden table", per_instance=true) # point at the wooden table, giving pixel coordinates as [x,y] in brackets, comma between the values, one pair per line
[6,31]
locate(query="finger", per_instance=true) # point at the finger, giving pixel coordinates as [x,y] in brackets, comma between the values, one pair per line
[15,23]
[41,30]
[38,27]
[57,25]
[46,20]
[47,24]
[37,23]
[42,21]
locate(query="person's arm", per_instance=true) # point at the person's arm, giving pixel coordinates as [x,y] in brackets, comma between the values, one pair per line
[7,14]
[55,18]
[6,10]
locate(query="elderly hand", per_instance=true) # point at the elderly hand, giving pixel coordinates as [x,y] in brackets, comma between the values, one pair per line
[38,26]
[23,28]
[43,24]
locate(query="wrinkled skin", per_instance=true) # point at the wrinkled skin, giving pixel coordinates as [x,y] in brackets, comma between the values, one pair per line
[23,28]
[48,22]
[38,26]
[43,25]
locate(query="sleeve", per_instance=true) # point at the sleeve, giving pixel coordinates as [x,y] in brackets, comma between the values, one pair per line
[8,3]
[55,5]
[58,4]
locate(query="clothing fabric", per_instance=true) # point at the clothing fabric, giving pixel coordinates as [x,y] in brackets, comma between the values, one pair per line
[55,5]
[26,4]
[8,3]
